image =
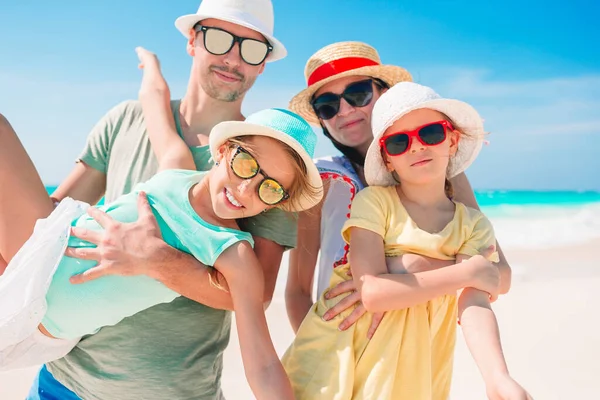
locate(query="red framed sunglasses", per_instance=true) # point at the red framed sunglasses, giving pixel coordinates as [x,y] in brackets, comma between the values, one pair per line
[430,134]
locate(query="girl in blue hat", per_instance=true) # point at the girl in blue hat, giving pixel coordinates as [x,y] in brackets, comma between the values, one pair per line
[261,163]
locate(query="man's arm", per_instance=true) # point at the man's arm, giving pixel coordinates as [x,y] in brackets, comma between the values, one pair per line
[187,276]
[137,248]
[463,193]
[84,183]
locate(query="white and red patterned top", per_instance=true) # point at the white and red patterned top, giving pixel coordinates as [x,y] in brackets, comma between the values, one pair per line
[344,184]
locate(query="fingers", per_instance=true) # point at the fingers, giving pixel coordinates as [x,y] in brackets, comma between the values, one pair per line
[141,52]
[344,287]
[342,305]
[145,56]
[144,209]
[84,253]
[493,297]
[87,234]
[486,253]
[89,275]
[100,217]
[375,321]
[351,319]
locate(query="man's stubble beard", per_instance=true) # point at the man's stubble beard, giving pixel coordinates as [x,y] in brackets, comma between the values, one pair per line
[222,94]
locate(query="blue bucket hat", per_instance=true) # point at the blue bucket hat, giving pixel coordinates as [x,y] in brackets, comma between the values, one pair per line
[282,125]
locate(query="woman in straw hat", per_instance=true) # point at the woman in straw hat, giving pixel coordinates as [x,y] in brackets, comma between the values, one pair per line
[420,141]
[344,81]
[351,71]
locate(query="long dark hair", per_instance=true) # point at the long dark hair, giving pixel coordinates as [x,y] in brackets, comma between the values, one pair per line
[350,152]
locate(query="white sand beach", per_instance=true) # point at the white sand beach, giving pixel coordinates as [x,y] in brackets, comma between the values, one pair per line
[548,322]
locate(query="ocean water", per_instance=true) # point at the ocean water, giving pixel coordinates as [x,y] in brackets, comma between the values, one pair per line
[532,219]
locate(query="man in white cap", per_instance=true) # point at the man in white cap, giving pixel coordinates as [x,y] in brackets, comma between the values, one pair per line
[174,350]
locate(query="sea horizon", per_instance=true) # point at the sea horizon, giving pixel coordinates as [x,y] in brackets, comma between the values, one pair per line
[526,219]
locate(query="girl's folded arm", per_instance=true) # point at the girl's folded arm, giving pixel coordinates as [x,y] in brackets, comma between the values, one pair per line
[381,291]
[244,275]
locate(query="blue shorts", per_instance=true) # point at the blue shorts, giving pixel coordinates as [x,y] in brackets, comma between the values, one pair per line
[45,387]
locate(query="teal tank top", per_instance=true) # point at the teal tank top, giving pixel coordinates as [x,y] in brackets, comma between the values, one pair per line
[77,310]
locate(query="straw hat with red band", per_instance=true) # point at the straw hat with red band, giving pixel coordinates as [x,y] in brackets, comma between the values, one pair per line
[339,60]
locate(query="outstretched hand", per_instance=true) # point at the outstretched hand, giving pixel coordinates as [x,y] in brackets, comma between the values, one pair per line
[152,79]
[146,58]
[121,248]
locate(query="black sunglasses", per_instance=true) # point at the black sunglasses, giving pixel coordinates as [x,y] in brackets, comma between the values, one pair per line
[218,42]
[245,166]
[357,94]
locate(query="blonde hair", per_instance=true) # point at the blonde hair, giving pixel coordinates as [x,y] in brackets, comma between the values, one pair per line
[448,188]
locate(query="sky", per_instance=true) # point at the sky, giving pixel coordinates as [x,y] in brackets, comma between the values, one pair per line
[531,69]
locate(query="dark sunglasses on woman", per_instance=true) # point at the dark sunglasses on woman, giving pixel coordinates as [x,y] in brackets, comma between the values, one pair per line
[357,94]
[218,41]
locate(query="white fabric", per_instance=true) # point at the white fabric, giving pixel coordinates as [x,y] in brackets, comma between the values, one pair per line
[24,284]
[36,349]
[405,97]
[344,184]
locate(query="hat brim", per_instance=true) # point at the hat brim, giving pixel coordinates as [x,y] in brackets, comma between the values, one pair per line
[230,129]
[187,22]
[464,118]
[390,74]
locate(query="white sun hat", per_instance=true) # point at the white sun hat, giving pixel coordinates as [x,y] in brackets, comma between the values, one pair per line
[254,14]
[405,97]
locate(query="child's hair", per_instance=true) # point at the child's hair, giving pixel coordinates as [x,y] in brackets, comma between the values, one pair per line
[300,187]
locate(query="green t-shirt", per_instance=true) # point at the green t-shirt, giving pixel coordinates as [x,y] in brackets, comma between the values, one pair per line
[173,350]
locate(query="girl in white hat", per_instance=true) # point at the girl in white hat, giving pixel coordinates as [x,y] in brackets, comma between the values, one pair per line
[420,141]
[260,163]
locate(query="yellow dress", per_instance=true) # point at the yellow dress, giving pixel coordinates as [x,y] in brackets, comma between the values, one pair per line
[411,354]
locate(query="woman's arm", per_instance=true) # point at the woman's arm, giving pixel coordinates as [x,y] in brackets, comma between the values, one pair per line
[464,194]
[170,149]
[303,261]
[381,291]
[264,371]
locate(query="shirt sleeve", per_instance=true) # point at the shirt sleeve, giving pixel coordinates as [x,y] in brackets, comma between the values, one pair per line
[481,238]
[99,141]
[275,225]
[368,211]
